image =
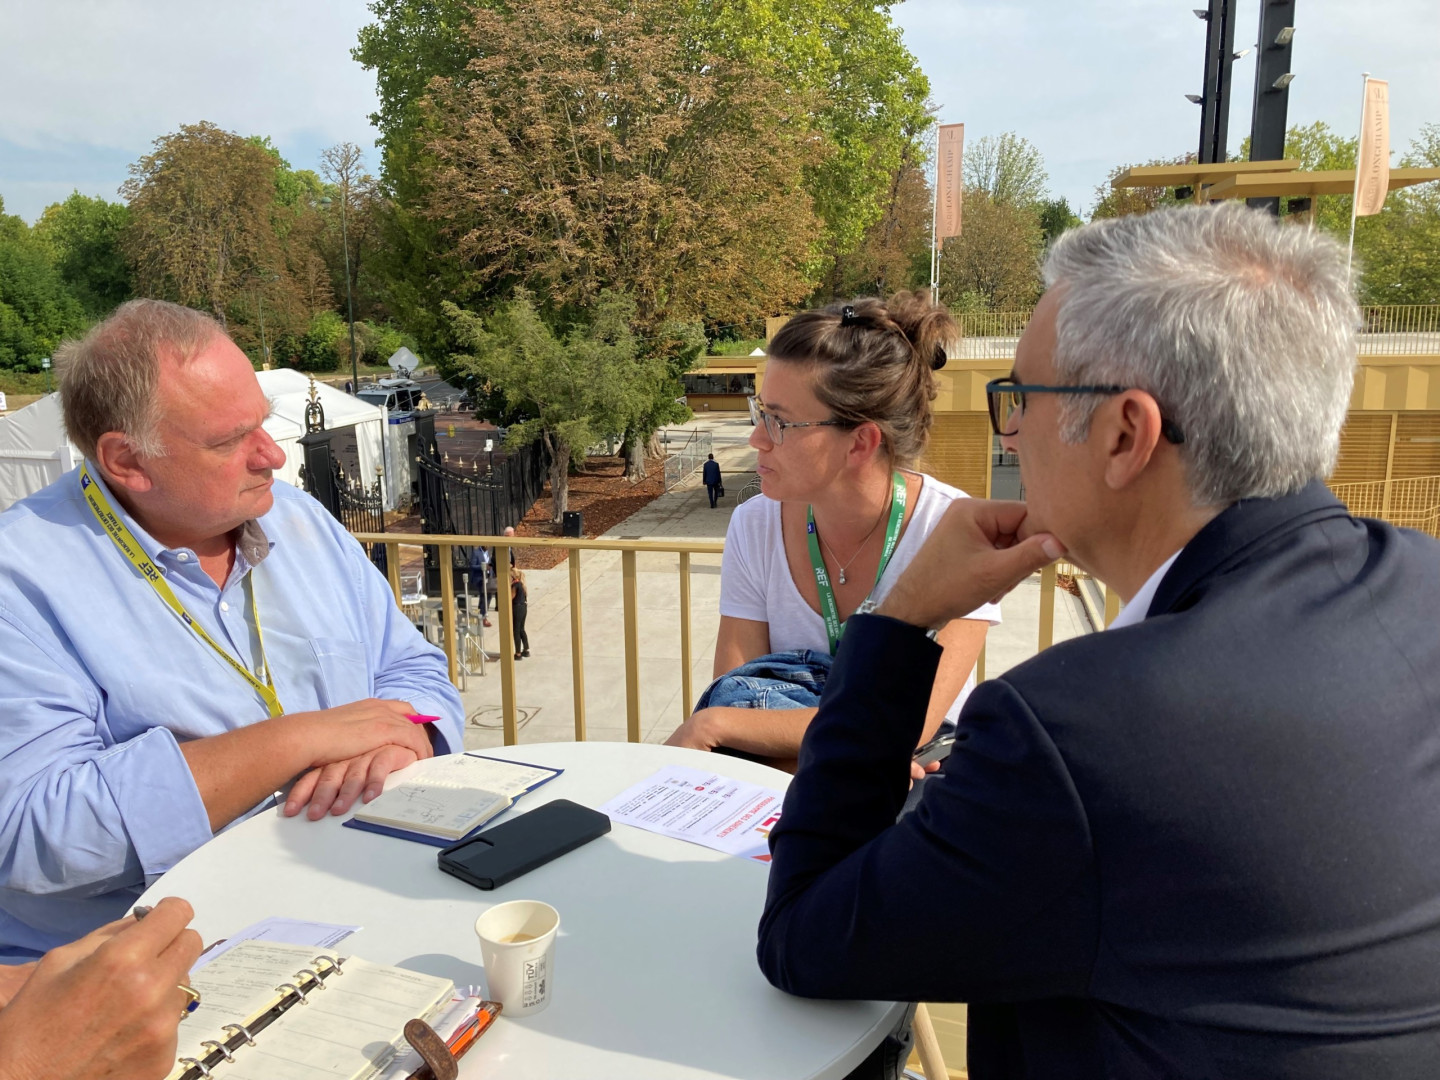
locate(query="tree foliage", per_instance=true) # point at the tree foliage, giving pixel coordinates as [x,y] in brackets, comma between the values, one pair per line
[994,265]
[36,308]
[82,236]
[574,386]
[200,217]
[597,146]
[1111,201]
[1008,169]
[838,69]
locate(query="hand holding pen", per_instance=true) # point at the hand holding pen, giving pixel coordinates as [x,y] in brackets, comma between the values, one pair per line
[136,968]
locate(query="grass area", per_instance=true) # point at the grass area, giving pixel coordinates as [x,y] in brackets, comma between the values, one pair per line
[736,348]
[20,382]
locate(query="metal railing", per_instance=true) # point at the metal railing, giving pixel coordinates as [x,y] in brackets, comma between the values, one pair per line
[1410,504]
[1385,330]
[628,549]
[1400,330]
[685,451]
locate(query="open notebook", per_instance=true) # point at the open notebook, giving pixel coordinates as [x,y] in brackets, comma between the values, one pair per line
[441,800]
[307,1016]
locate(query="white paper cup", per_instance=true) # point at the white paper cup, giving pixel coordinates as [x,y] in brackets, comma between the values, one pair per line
[517,945]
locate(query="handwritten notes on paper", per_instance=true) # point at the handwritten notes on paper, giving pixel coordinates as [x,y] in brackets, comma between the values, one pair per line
[703,808]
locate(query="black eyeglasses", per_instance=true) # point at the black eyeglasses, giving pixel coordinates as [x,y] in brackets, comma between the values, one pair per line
[775,427]
[1006,401]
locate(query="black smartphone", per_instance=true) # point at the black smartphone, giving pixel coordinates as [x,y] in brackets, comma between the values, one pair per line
[504,852]
[937,749]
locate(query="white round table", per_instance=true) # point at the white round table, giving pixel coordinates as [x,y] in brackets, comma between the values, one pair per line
[655,972]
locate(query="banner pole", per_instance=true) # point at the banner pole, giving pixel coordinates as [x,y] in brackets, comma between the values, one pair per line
[1355,194]
[934,214]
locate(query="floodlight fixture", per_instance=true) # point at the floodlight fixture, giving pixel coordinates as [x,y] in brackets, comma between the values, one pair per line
[1285,36]
[1201,14]
[1195,99]
[1283,81]
[1241,54]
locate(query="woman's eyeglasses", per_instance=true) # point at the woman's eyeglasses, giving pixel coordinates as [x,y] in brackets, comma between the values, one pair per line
[1006,401]
[775,427]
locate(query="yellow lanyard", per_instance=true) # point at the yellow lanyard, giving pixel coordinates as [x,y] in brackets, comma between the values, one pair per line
[131,549]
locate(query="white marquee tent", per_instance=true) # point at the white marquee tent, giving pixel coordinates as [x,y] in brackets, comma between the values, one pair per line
[34,450]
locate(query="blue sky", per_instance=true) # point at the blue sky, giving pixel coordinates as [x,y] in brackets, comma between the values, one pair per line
[89,84]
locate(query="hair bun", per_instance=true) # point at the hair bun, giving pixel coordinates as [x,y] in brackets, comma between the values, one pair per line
[926,325]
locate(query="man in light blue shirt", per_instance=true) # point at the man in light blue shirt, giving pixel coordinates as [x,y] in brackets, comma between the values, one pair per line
[181,636]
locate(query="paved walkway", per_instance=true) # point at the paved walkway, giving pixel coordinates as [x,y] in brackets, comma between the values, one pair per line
[544,680]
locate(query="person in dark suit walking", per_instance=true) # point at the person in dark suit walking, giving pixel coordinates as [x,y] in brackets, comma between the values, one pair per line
[711,476]
[1204,842]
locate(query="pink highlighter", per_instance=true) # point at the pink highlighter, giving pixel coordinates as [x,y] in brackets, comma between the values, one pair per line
[420,718]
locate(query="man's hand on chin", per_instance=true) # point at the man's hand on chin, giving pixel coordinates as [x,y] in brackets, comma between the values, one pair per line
[978,552]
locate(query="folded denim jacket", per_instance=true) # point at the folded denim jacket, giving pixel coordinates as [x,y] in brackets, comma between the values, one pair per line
[783,680]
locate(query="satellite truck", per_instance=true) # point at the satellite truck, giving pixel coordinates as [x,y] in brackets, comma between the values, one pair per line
[399,393]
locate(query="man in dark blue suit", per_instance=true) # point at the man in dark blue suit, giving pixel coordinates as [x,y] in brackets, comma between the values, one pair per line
[1206,842]
[711,476]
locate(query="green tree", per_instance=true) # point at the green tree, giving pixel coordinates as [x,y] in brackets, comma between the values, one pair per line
[871,100]
[1007,169]
[82,235]
[36,309]
[894,253]
[575,386]
[994,265]
[1056,217]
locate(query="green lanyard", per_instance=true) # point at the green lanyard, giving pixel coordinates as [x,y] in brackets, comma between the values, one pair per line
[131,549]
[829,610]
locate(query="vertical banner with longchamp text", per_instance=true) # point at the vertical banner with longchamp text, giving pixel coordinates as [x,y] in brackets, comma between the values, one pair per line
[1372,165]
[948,182]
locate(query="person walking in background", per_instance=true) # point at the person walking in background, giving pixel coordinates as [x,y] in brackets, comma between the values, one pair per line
[482,580]
[518,605]
[711,476]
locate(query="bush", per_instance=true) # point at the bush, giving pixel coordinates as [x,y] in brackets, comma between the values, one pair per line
[315,350]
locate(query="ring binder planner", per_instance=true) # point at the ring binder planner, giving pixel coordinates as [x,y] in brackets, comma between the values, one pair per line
[250,996]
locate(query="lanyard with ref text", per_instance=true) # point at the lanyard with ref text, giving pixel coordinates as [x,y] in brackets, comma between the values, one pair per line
[829,610]
[131,549]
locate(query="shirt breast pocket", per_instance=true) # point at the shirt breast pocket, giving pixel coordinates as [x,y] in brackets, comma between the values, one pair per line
[342,672]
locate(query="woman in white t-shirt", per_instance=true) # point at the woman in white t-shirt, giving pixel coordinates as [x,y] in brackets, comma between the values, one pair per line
[844,413]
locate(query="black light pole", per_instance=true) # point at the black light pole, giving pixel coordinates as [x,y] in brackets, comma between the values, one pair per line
[1215,97]
[349,295]
[1272,87]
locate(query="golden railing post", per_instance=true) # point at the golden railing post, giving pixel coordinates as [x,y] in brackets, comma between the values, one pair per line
[447,610]
[1112,605]
[577,653]
[685,687]
[507,645]
[1047,607]
[980,665]
[630,593]
[392,569]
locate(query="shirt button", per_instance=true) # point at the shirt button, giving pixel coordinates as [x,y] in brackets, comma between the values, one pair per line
[183,557]
[259,669]
[224,605]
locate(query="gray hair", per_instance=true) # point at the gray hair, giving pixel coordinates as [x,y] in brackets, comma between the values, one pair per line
[1242,329]
[110,379]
